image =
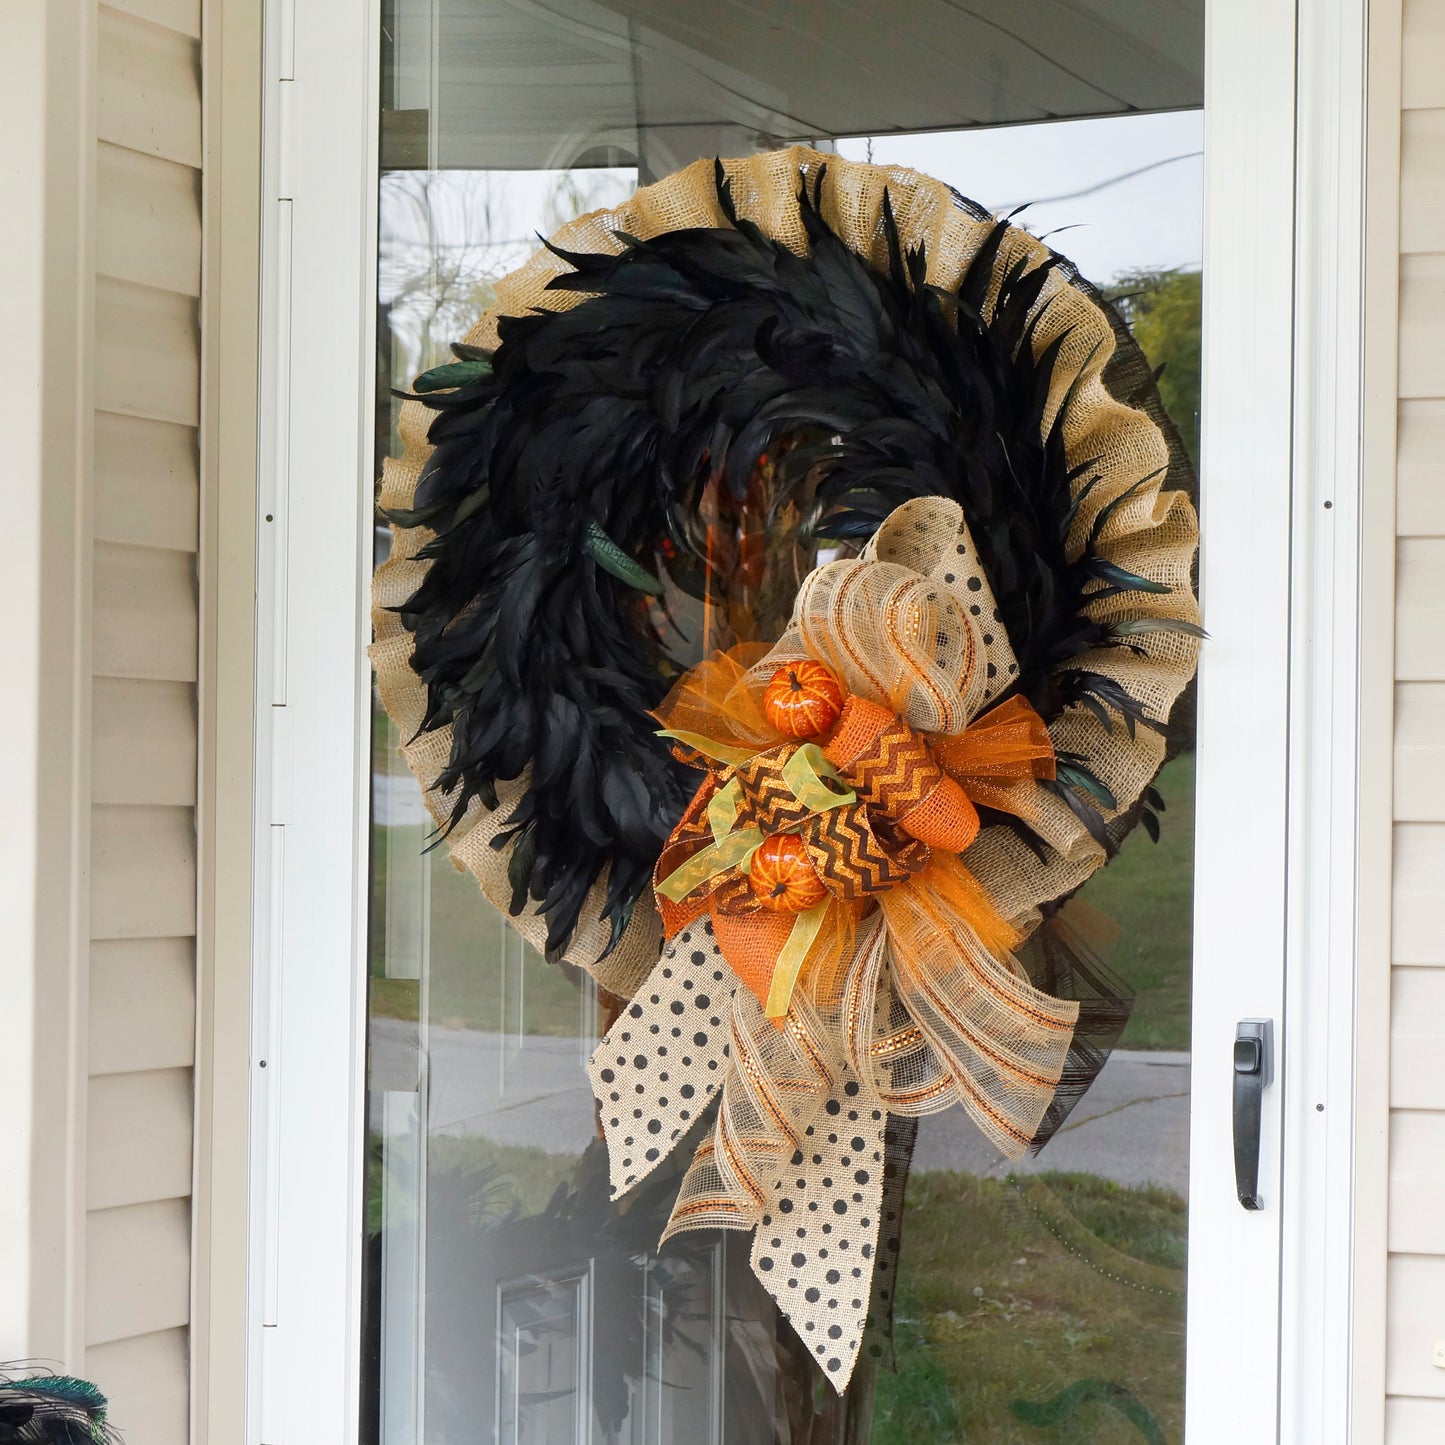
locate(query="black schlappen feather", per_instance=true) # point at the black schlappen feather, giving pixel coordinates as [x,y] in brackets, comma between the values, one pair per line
[588,447]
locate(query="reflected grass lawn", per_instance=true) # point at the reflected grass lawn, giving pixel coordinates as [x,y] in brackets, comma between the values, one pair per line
[465,948]
[1014,1291]
[1017,1299]
[499,1177]
[1148,890]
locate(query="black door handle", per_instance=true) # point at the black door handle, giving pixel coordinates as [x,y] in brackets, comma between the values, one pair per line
[1253,1073]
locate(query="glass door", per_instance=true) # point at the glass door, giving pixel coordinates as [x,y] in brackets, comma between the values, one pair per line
[505,1297]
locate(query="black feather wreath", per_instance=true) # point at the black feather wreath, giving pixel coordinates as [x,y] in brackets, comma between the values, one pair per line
[573,461]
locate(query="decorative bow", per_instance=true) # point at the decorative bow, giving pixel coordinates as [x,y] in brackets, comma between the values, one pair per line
[830,959]
[866,813]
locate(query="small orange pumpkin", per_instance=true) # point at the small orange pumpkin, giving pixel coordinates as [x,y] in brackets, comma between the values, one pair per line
[803,699]
[782,875]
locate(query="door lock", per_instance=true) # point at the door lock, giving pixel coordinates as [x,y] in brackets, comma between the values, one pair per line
[1253,1074]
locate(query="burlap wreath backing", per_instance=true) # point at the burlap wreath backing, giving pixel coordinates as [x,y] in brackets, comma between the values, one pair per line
[1153,534]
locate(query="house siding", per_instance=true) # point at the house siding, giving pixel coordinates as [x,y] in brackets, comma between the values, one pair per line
[1415,1408]
[145,638]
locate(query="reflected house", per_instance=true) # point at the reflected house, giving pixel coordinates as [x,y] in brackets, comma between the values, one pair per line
[301,1143]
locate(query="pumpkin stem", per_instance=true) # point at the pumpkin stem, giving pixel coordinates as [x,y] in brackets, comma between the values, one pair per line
[793,681]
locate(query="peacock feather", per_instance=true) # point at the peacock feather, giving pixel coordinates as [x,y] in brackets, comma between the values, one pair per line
[43,1409]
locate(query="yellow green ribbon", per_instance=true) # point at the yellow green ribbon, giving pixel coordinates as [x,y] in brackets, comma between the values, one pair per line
[805,773]
[790,960]
[707,747]
[722,810]
[733,851]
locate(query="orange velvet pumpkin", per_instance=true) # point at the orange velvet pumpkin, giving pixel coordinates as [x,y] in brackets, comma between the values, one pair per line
[803,699]
[782,875]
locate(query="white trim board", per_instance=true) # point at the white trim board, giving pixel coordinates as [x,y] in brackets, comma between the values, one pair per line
[1376,742]
[231,44]
[1240,799]
[312,687]
[1284,278]
[47,69]
[1322,967]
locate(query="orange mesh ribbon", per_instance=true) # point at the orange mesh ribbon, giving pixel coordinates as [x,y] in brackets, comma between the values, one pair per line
[997,758]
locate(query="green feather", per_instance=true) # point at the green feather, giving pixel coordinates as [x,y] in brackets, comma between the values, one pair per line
[1080,777]
[1138,626]
[611,558]
[454,373]
[1120,579]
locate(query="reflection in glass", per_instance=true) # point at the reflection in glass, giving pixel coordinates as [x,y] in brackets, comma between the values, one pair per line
[507,1298]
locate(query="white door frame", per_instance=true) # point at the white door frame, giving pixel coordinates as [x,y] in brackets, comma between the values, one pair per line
[1278,766]
[1283,367]
[1333,1231]
[314,535]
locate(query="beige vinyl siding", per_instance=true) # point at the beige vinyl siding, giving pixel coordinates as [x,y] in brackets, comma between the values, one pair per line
[145,482]
[1415,1413]
[143,749]
[143,734]
[153,1409]
[143,989]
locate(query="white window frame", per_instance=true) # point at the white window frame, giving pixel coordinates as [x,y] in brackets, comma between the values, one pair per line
[1270,1341]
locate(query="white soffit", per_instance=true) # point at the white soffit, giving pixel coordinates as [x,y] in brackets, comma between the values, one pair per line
[514,76]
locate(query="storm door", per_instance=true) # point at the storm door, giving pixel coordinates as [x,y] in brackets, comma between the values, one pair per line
[505,1298]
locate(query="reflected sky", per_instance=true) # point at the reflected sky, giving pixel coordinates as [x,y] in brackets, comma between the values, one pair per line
[1117,194]
[1087,175]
